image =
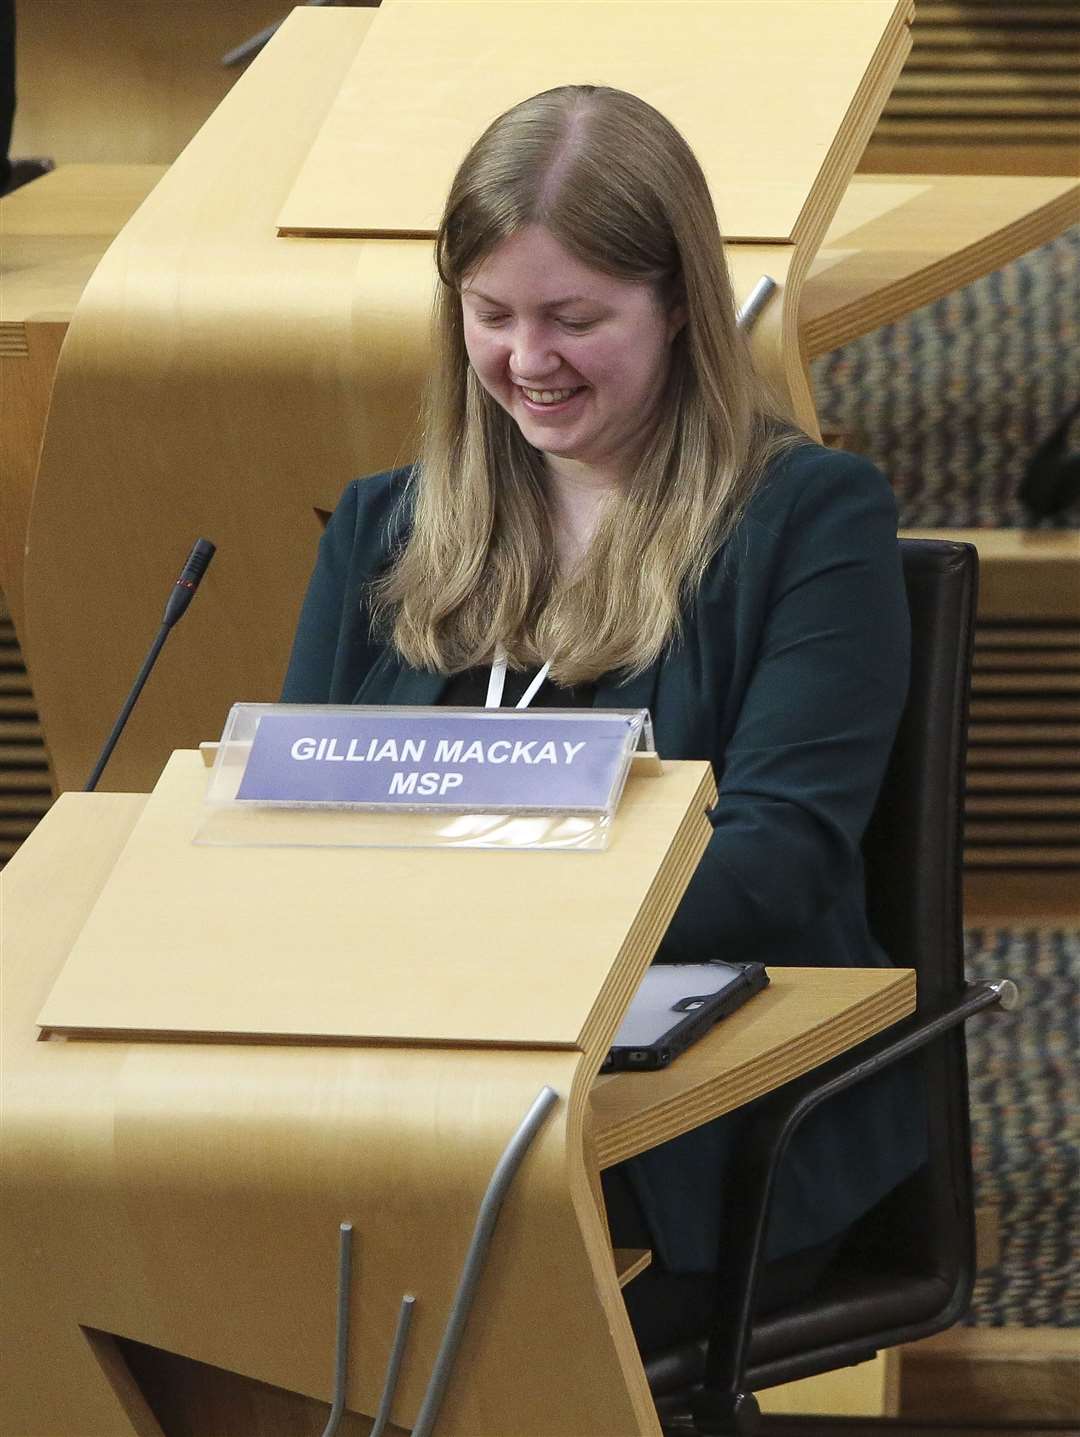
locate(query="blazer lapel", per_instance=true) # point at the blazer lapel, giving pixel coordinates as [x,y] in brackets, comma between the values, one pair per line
[416,686]
[392,683]
[636,693]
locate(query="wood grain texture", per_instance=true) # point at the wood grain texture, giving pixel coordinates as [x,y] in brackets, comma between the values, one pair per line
[432,945]
[445,70]
[125,83]
[218,380]
[865,1390]
[187,1195]
[54,233]
[899,242]
[1023,573]
[56,230]
[978,76]
[993,1375]
[994,898]
[193,1398]
[25,385]
[210,1181]
[805,1017]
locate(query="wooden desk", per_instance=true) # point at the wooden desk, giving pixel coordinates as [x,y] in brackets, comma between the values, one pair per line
[898,242]
[803,1019]
[275,1189]
[54,232]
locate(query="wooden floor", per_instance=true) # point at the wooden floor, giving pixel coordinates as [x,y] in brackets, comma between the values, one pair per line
[993,1374]
[900,1427]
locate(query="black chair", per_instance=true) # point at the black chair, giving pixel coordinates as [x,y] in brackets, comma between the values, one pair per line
[907,1269]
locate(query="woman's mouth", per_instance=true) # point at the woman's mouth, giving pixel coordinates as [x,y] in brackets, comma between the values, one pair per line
[548,400]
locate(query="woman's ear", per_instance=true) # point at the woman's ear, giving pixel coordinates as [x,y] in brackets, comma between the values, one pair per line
[677,310]
[677,317]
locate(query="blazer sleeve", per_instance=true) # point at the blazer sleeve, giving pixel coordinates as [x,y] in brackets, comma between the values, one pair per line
[801,771]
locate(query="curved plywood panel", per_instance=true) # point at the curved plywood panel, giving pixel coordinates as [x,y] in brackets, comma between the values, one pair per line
[125,83]
[220,380]
[211,1180]
[187,1194]
[442,68]
[216,380]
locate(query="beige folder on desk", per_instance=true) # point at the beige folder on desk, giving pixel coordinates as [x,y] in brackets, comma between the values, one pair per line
[178,1160]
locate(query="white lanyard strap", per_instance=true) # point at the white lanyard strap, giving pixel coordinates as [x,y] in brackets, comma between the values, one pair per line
[497,682]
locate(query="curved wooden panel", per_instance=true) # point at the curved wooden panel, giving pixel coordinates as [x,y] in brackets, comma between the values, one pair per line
[770,180]
[216,380]
[189,1195]
[55,232]
[219,380]
[125,83]
[899,242]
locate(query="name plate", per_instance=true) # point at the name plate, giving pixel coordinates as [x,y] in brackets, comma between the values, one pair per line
[490,760]
[486,764]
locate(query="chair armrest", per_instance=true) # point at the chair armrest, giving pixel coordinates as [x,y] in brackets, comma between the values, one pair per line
[777,1117]
[797,1100]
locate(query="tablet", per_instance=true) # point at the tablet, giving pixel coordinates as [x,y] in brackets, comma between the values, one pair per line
[676,1004]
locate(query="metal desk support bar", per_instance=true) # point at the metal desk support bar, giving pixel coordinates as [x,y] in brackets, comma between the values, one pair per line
[341,1355]
[505,1171]
[393,1368]
[497,1189]
[756,301]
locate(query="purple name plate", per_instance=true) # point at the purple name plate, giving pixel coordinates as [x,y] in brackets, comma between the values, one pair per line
[483,761]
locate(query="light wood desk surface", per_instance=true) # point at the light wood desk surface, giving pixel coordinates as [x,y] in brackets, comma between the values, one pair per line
[54,231]
[897,241]
[191,1160]
[806,1017]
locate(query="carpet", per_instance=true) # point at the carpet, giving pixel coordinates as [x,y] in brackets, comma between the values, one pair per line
[1024,1078]
[953,400]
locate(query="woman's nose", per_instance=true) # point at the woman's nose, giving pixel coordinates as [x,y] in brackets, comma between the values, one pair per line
[531,355]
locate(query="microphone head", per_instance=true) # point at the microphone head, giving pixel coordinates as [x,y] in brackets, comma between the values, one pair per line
[198,561]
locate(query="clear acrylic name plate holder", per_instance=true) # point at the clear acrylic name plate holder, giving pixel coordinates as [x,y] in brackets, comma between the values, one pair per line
[343,776]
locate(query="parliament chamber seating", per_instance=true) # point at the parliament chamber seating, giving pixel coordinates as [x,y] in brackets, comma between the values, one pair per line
[896,242]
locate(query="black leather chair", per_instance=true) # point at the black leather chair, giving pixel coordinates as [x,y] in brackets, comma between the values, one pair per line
[907,1269]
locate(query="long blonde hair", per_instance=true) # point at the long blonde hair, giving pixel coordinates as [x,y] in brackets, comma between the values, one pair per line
[619,187]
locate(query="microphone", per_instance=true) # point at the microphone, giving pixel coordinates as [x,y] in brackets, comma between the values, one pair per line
[181,595]
[198,561]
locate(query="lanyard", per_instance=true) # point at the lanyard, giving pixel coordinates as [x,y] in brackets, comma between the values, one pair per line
[497,682]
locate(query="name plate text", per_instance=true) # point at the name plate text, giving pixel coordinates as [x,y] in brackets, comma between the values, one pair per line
[494,761]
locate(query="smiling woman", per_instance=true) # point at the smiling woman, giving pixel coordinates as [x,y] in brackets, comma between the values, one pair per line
[579,360]
[560,330]
[578,251]
[607,512]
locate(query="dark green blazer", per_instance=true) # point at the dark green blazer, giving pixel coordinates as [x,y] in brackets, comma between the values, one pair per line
[789,676]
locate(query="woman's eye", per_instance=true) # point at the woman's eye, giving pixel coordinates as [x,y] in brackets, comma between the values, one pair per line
[577,326]
[491,319]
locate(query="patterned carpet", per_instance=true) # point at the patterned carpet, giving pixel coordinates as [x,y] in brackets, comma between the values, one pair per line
[1025,1112]
[952,401]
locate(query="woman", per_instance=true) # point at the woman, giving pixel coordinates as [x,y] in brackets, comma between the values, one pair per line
[605,498]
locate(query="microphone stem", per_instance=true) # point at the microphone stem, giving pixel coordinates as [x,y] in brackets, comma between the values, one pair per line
[136,690]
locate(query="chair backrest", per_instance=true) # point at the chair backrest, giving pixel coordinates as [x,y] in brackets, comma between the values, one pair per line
[913,852]
[907,1267]
[913,849]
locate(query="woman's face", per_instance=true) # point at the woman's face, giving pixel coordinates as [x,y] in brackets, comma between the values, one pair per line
[577,358]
